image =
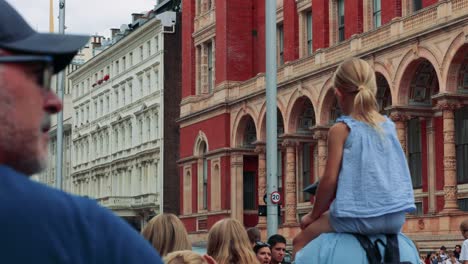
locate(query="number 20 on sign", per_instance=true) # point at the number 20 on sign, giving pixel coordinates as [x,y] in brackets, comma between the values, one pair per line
[275,197]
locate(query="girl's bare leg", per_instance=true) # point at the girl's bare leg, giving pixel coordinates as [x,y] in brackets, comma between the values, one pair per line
[312,231]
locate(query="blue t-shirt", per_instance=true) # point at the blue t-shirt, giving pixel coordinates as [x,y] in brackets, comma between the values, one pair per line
[39,224]
[374,178]
[338,248]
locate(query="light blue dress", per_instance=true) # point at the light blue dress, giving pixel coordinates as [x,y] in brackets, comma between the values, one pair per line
[374,189]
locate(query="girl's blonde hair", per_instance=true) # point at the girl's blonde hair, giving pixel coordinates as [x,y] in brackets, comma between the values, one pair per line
[167,234]
[184,257]
[228,243]
[355,76]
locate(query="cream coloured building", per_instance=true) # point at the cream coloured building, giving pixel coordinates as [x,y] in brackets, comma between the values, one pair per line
[48,176]
[119,119]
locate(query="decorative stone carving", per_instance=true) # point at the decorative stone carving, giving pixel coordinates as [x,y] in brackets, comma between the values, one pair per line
[450,162]
[421,224]
[320,135]
[399,117]
[448,105]
[450,192]
[260,149]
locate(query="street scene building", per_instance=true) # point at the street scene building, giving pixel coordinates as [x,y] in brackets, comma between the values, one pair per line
[48,176]
[419,52]
[124,108]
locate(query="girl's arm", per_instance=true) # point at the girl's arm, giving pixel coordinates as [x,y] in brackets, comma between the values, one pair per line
[327,187]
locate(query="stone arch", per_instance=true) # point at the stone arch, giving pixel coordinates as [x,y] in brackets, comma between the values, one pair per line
[280,124]
[386,72]
[299,94]
[451,54]
[262,120]
[240,133]
[244,110]
[327,100]
[455,60]
[199,142]
[407,68]
[383,96]
[302,115]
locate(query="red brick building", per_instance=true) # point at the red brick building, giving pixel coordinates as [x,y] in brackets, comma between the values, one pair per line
[419,51]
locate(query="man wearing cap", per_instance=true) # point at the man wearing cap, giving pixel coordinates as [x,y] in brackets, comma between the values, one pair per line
[39,224]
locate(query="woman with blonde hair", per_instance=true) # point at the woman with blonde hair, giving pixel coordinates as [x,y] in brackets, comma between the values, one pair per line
[366,185]
[187,257]
[167,234]
[228,243]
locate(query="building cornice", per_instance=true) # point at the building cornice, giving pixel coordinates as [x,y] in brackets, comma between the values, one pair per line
[123,46]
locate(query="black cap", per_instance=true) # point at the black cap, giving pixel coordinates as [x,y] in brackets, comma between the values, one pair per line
[18,37]
[311,188]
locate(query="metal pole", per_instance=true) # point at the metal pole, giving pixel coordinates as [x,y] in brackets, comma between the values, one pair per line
[60,84]
[271,122]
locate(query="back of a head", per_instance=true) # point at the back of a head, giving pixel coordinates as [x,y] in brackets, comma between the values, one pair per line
[356,76]
[228,243]
[184,257]
[167,234]
[277,238]
[254,234]
[464,225]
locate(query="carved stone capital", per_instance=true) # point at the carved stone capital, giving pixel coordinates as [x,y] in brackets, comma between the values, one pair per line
[448,105]
[288,143]
[260,149]
[320,135]
[399,117]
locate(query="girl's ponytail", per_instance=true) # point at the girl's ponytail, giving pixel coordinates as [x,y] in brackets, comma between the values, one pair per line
[356,76]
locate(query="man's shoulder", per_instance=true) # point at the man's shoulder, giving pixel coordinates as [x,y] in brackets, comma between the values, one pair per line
[29,202]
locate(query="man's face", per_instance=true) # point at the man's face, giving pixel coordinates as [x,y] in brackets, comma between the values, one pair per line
[277,252]
[25,109]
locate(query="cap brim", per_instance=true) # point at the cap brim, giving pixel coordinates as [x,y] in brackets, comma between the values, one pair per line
[59,46]
[312,189]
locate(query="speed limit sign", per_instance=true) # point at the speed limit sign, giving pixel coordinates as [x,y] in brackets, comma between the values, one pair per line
[275,197]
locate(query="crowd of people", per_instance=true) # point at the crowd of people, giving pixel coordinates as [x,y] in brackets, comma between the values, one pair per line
[459,255]
[228,242]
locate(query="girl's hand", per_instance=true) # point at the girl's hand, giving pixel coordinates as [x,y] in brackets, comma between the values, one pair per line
[306,220]
[209,259]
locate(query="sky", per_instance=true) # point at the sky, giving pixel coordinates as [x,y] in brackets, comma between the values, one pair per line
[82,16]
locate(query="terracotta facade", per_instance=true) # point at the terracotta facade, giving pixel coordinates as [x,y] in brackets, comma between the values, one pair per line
[420,59]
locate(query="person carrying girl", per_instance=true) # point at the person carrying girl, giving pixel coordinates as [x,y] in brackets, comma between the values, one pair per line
[366,185]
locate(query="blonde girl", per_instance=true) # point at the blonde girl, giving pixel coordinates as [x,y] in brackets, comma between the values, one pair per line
[366,186]
[187,257]
[228,243]
[167,234]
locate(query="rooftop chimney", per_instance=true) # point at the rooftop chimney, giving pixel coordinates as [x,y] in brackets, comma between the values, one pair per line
[114,32]
[136,16]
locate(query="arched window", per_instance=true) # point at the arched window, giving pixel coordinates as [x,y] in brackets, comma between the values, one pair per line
[203,150]
[250,135]
[384,98]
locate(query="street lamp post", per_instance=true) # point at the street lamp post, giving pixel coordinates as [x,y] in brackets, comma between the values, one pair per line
[60,85]
[271,117]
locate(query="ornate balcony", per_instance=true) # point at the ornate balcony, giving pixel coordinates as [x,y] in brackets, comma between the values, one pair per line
[130,202]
